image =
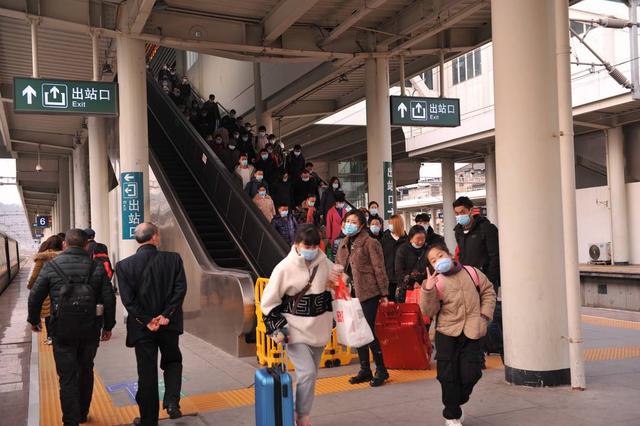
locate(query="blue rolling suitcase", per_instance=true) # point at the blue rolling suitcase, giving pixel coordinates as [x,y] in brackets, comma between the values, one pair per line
[274,396]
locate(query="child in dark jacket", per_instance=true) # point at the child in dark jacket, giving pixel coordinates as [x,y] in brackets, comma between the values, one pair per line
[285,224]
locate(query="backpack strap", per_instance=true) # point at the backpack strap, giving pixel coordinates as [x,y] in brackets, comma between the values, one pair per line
[58,271]
[473,273]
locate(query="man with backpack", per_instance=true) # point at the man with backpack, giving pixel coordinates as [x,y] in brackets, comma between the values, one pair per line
[152,287]
[83,302]
[477,240]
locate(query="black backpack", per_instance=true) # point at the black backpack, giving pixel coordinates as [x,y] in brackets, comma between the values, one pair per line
[75,313]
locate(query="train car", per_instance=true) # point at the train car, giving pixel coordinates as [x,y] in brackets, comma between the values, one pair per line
[9,260]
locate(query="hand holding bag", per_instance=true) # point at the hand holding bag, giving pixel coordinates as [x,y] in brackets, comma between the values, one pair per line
[352,328]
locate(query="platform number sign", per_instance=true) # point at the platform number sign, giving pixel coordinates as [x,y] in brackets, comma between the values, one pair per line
[388,189]
[42,221]
[132,196]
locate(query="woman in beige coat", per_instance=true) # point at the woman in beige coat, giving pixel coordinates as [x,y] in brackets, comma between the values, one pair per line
[48,250]
[462,300]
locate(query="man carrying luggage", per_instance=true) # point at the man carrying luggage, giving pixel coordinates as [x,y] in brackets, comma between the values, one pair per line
[73,280]
[152,287]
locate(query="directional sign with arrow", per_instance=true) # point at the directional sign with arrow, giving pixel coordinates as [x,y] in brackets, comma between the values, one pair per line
[30,93]
[132,196]
[417,111]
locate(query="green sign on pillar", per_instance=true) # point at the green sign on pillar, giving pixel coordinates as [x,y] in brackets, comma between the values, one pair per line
[132,195]
[388,189]
[31,95]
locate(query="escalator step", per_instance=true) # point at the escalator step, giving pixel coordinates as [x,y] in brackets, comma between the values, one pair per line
[231,263]
[224,254]
[219,245]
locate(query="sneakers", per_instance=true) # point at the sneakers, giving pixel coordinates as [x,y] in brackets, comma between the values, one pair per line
[48,341]
[452,422]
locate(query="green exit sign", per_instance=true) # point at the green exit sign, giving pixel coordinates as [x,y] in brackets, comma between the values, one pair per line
[31,95]
[428,112]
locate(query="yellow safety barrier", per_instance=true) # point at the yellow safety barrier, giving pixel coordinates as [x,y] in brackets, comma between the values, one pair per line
[269,353]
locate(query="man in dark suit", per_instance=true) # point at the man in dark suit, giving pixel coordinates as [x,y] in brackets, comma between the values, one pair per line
[152,287]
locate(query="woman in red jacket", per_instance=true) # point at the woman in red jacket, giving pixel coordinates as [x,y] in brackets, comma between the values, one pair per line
[334,218]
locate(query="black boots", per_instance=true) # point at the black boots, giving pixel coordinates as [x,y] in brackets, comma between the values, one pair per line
[379,379]
[365,375]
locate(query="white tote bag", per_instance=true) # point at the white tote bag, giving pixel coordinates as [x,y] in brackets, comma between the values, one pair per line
[352,328]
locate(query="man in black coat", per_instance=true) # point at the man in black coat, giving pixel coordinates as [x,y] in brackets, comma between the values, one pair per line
[478,246]
[74,353]
[303,186]
[152,287]
[477,240]
[295,162]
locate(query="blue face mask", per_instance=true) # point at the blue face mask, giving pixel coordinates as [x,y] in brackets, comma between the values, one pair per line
[284,213]
[415,246]
[375,229]
[263,193]
[463,219]
[309,254]
[390,227]
[259,178]
[350,229]
[373,211]
[444,265]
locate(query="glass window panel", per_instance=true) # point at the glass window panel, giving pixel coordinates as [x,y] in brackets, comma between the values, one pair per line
[477,62]
[470,65]
[462,71]
[454,71]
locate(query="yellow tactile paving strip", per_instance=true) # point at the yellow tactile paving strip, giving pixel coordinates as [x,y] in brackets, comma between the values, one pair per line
[103,412]
[608,322]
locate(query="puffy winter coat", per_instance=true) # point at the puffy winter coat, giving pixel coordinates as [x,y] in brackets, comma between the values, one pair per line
[479,248]
[40,259]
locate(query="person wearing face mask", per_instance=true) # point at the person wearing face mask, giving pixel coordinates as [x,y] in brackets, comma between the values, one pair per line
[264,201]
[185,90]
[335,216]
[229,122]
[256,181]
[424,219]
[217,146]
[295,162]
[477,240]
[307,211]
[306,275]
[261,138]
[278,151]
[375,228]
[213,111]
[230,156]
[363,262]
[266,163]
[411,262]
[282,190]
[302,187]
[394,237]
[329,195]
[285,223]
[244,171]
[462,300]
[374,212]
[245,145]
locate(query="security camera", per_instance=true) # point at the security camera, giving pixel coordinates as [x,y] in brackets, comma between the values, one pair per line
[39,168]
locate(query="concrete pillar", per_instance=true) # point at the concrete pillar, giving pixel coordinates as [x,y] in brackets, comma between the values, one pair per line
[263,118]
[378,126]
[54,219]
[534,299]
[72,202]
[81,185]
[617,187]
[433,214]
[64,205]
[448,197]
[99,182]
[490,185]
[266,120]
[133,132]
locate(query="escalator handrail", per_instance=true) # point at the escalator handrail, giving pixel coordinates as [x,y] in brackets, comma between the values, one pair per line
[268,233]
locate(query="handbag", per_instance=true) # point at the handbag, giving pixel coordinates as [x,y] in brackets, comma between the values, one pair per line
[352,328]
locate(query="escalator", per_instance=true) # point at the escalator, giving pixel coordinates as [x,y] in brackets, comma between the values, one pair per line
[228,225]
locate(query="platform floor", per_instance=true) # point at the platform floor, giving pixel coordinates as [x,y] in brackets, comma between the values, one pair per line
[217,388]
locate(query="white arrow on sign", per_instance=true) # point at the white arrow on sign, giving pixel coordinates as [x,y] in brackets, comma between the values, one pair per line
[419,107]
[29,92]
[128,177]
[403,109]
[54,91]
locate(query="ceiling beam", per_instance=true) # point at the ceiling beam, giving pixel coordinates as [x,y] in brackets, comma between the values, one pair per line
[440,26]
[352,20]
[141,13]
[304,108]
[283,16]
[591,125]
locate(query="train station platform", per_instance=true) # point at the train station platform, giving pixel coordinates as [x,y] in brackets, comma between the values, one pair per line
[218,388]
